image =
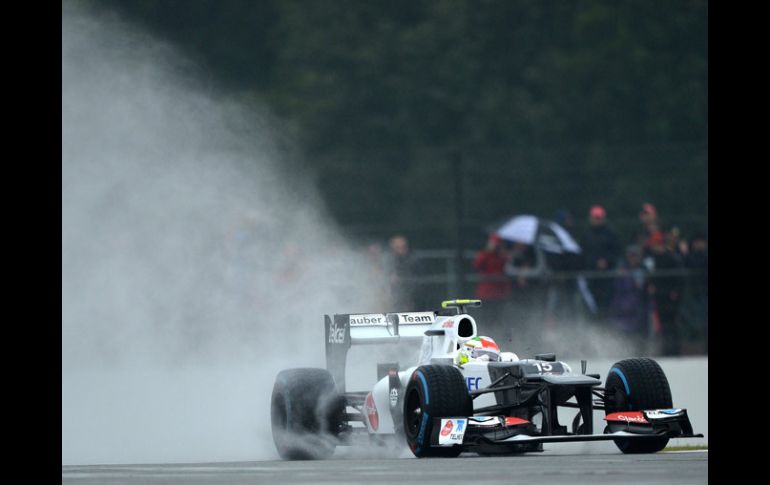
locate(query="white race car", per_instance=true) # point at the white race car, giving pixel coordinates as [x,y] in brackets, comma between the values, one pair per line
[449,403]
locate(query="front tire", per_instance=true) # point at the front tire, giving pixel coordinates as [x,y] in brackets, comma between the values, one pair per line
[434,391]
[305,412]
[634,385]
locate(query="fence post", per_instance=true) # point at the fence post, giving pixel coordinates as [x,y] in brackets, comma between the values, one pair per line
[459,269]
[453,288]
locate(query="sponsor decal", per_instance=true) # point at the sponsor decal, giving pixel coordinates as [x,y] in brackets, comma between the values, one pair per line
[662,413]
[472,383]
[452,432]
[446,428]
[382,320]
[371,412]
[417,318]
[393,397]
[336,334]
[368,319]
[629,417]
[448,324]
[511,421]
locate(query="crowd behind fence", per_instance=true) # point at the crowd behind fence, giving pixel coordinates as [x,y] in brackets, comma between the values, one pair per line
[556,301]
[649,297]
[652,294]
[559,300]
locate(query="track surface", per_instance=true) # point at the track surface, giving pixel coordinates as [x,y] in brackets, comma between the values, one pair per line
[541,468]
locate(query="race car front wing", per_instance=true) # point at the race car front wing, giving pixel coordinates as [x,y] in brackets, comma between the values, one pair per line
[495,434]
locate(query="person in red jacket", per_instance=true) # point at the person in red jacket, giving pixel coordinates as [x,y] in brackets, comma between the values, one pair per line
[495,288]
[490,262]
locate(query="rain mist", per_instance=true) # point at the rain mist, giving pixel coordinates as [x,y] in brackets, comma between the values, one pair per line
[197,260]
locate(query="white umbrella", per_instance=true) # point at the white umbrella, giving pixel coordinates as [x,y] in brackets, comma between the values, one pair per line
[543,233]
[550,237]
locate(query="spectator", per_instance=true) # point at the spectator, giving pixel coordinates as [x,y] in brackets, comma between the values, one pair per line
[648,218]
[490,263]
[683,248]
[399,268]
[665,290]
[495,288]
[694,314]
[601,250]
[675,243]
[628,310]
[560,303]
[564,218]
[523,265]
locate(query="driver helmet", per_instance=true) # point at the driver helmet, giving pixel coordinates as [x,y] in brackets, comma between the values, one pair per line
[482,348]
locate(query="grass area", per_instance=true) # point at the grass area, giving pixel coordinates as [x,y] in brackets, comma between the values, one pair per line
[686,448]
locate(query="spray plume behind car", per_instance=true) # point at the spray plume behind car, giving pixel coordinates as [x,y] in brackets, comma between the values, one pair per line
[196,258]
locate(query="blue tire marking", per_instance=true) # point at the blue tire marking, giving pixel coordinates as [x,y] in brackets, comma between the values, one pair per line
[421,435]
[622,378]
[424,386]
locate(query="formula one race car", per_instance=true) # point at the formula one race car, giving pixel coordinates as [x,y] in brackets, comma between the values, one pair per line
[451,403]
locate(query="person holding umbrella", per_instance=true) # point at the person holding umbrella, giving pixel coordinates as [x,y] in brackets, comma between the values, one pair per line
[540,246]
[665,288]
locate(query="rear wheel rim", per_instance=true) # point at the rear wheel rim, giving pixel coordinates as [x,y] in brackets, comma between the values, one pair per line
[413,414]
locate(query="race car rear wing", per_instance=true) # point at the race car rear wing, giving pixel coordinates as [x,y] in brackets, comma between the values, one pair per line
[344,330]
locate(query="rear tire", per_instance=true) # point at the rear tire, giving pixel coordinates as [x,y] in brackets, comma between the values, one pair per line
[634,385]
[434,391]
[306,413]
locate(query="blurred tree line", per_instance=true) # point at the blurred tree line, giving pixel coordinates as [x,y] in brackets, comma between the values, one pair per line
[548,104]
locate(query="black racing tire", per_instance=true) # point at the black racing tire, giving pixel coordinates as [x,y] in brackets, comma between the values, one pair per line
[633,385]
[434,391]
[305,413]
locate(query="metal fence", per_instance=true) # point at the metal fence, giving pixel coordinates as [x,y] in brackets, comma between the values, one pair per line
[440,267]
[560,298]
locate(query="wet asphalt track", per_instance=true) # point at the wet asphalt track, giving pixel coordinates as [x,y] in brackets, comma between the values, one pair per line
[550,467]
